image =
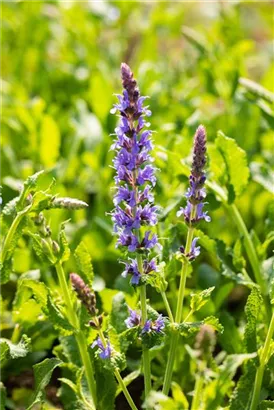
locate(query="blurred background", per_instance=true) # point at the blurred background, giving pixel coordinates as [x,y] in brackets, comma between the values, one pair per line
[60,74]
[60,71]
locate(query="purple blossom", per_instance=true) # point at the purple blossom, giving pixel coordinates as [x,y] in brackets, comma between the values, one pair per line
[135,176]
[154,326]
[194,250]
[132,269]
[105,351]
[134,319]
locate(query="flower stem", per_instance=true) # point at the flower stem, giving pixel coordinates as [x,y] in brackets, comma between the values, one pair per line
[263,361]
[146,358]
[11,232]
[178,317]
[167,306]
[197,392]
[79,335]
[118,376]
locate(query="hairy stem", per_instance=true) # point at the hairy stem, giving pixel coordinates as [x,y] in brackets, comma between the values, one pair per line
[167,306]
[11,232]
[263,361]
[197,392]
[118,376]
[146,358]
[178,317]
[79,335]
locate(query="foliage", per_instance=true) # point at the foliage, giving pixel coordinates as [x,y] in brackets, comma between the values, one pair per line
[60,69]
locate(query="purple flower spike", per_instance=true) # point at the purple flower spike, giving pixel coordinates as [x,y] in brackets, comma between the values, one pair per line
[135,177]
[133,320]
[105,351]
[193,211]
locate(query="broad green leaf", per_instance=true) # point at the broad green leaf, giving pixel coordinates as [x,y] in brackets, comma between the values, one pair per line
[266,405]
[10,350]
[99,98]
[58,319]
[241,395]
[252,310]
[235,161]
[119,312]
[178,396]
[105,379]
[188,328]
[83,260]
[50,141]
[198,300]
[42,374]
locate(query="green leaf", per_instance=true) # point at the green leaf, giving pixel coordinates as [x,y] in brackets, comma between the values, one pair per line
[50,141]
[266,405]
[241,395]
[3,396]
[42,374]
[252,310]
[198,300]
[178,396]
[119,312]
[58,319]
[100,100]
[263,175]
[64,247]
[83,261]
[157,279]
[188,328]
[235,161]
[105,379]
[10,350]
[256,89]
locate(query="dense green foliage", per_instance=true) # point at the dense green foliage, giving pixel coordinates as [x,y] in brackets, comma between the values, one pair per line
[199,63]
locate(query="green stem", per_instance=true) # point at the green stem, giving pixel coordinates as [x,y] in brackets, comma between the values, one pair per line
[11,232]
[178,317]
[197,392]
[118,376]
[146,358]
[167,306]
[79,335]
[263,361]
[125,390]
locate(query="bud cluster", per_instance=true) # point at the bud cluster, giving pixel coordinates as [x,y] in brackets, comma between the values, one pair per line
[193,211]
[88,298]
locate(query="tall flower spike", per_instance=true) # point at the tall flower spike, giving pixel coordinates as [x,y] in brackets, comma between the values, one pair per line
[84,293]
[134,178]
[193,211]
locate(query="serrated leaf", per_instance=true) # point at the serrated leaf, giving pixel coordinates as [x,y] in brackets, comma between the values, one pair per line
[188,328]
[57,318]
[64,246]
[10,350]
[42,374]
[235,161]
[198,300]
[83,261]
[241,395]
[119,312]
[266,405]
[105,379]
[252,310]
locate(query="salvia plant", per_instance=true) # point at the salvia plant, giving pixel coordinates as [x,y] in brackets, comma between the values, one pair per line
[181,348]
